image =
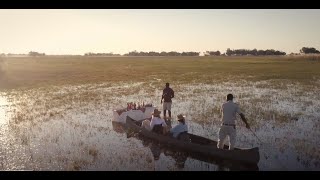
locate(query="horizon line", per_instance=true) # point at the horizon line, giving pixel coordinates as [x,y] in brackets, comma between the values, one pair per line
[200,52]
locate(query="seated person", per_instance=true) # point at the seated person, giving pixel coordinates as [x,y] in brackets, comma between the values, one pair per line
[146,124]
[179,128]
[157,124]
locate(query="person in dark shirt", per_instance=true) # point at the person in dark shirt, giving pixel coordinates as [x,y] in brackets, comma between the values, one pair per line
[167,95]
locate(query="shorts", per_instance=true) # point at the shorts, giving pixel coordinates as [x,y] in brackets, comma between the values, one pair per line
[167,106]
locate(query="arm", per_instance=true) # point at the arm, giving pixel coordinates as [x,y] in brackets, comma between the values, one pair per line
[244,120]
[166,129]
[151,124]
[242,117]
[162,96]
[221,111]
[174,129]
[164,124]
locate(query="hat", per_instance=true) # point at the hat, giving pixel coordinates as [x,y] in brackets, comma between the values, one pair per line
[156,112]
[181,117]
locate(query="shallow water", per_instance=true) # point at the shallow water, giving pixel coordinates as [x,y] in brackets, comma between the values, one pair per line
[70,127]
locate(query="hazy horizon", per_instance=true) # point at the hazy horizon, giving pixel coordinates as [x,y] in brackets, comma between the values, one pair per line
[76,32]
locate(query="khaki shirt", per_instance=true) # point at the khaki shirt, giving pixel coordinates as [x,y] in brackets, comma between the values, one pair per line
[229,110]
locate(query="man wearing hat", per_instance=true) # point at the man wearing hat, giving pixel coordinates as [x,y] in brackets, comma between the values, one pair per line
[179,128]
[157,123]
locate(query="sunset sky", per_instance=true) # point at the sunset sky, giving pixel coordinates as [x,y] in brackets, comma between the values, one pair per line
[55,31]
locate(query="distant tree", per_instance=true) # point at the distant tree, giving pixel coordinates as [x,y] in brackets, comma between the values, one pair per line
[100,54]
[171,53]
[152,53]
[32,53]
[174,53]
[163,53]
[212,53]
[270,52]
[261,53]
[309,50]
[254,52]
[229,52]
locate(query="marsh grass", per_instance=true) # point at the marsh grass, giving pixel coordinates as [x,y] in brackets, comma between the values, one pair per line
[45,71]
[61,108]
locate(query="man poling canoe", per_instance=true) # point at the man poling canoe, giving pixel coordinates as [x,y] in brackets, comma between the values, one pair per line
[228,126]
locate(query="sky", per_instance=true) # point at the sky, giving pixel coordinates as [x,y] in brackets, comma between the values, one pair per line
[78,31]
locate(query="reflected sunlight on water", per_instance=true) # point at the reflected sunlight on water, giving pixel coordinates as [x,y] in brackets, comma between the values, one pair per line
[70,128]
[4,105]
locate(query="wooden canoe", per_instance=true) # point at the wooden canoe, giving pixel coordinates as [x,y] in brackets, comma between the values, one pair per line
[199,145]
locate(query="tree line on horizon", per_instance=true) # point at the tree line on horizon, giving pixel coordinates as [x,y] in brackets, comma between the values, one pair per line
[163,53]
[101,54]
[229,52]
[254,52]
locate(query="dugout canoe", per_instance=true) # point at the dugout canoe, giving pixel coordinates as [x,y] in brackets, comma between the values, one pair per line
[197,144]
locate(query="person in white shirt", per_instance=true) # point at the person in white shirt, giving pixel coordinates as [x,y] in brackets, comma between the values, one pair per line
[228,127]
[157,124]
[146,124]
[179,128]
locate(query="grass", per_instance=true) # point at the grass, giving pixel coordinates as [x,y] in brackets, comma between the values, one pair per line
[26,72]
[72,122]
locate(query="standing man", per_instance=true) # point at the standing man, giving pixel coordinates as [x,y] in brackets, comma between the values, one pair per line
[228,127]
[167,95]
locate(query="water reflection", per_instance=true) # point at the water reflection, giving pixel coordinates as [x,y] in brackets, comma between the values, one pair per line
[157,148]
[180,157]
[64,122]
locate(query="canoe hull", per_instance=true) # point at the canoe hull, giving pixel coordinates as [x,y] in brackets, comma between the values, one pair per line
[199,145]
